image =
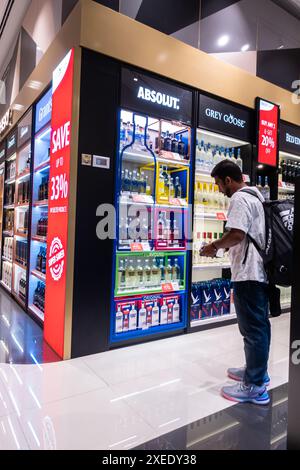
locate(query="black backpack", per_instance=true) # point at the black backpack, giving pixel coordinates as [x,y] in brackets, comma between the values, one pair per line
[278,252]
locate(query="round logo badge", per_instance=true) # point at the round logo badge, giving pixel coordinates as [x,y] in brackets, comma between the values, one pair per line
[56,259]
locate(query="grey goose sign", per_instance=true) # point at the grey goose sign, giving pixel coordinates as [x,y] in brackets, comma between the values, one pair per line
[219,116]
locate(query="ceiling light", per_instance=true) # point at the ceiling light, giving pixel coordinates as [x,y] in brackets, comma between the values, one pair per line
[223,40]
[245,48]
[35,85]
[18,107]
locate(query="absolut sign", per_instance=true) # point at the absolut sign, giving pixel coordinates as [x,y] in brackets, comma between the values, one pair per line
[219,116]
[157,98]
[289,138]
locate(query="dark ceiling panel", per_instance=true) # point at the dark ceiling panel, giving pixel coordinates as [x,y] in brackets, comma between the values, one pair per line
[209,7]
[281,67]
[168,16]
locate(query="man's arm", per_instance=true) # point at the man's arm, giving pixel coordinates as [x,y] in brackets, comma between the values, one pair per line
[230,239]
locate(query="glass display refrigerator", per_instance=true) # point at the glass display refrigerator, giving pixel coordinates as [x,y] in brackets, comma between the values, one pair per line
[224,133]
[21,210]
[9,212]
[39,202]
[151,257]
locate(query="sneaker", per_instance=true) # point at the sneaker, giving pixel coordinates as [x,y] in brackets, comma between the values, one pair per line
[238,375]
[246,394]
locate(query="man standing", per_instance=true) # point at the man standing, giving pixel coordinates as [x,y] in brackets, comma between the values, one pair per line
[246,216]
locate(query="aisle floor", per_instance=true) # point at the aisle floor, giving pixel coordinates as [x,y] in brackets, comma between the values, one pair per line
[123,398]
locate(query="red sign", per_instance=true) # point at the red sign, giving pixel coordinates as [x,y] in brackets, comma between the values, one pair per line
[136,247]
[220,216]
[268,116]
[59,203]
[167,287]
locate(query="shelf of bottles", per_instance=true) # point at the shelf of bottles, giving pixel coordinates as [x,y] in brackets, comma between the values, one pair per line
[2,178]
[39,222]
[8,222]
[211,293]
[152,213]
[289,169]
[21,214]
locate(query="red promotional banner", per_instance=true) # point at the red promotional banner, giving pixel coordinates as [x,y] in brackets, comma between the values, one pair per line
[59,182]
[268,133]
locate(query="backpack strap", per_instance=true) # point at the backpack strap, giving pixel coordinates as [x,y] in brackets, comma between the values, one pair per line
[250,239]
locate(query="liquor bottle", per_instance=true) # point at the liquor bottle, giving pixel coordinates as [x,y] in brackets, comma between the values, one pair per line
[181,147]
[127,182]
[178,188]
[168,271]
[140,274]
[147,274]
[171,188]
[143,186]
[132,319]
[259,185]
[205,197]
[176,311]
[164,313]
[155,274]
[39,260]
[148,187]
[168,142]
[209,159]
[174,144]
[121,275]
[162,270]
[176,271]
[283,170]
[155,315]
[161,184]
[44,261]
[170,313]
[202,157]
[161,224]
[239,160]
[119,321]
[203,259]
[142,320]
[267,189]
[134,182]
[130,276]
[216,156]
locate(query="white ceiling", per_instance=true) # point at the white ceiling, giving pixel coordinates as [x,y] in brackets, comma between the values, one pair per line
[11,29]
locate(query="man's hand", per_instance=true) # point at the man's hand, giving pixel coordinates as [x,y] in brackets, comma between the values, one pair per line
[209,251]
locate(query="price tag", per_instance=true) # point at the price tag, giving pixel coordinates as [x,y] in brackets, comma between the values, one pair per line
[220,216]
[175,285]
[182,202]
[142,198]
[167,287]
[174,201]
[136,247]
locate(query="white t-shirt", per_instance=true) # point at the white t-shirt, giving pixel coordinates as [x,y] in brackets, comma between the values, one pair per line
[246,213]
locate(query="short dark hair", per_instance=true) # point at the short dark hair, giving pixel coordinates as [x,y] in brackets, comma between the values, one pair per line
[227,168]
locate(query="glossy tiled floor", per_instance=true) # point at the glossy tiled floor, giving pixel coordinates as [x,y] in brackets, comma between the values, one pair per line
[122,398]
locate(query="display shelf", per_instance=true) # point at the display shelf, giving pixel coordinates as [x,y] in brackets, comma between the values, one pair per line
[203,175]
[211,266]
[7,259]
[39,275]
[171,162]
[286,189]
[210,320]
[22,206]
[128,202]
[9,207]
[20,265]
[286,305]
[10,180]
[39,238]
[9,233]
[20,234]
[42,165]
[40,203]
[23,175]
[165,205]
[211,216]
[36,311]
[136,292]
[290,156]
[5,286]
[137,157]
